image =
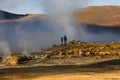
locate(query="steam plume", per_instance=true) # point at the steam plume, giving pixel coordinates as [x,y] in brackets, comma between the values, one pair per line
[4,48]
[23,43]
[62,12]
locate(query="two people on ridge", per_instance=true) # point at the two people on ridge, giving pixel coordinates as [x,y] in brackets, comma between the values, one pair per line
[64,40]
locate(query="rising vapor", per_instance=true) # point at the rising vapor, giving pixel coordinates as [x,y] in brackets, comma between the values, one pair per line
[62,11]
[33,34]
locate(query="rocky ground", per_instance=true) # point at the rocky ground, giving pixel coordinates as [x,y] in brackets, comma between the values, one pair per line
[74,61]
[77,48]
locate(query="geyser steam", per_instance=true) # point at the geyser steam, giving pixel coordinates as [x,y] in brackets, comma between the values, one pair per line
[62,14]
[4,48]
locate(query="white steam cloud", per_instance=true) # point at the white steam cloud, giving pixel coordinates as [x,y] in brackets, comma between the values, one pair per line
[5,48]
[4,45]
[62,11]
[24,43]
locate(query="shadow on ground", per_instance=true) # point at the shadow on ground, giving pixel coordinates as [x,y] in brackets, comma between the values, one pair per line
[95,67]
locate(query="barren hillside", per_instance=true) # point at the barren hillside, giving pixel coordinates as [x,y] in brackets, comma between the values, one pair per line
[100,15]
[10,16]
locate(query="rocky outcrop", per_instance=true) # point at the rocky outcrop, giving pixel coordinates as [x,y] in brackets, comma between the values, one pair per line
[10,60]
[78,48]
[15,59]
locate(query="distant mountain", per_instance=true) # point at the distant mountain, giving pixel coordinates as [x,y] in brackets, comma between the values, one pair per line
[100,15]
[8,16]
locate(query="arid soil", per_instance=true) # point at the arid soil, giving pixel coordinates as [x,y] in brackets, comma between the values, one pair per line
[63,72]
[111,75]
[78,76]
[100,15]
[74,61]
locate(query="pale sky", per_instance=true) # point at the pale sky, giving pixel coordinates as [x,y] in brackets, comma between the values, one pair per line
[36,6]
[105,2]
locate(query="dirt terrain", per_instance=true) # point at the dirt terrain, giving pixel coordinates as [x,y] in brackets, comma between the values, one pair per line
[99,71]
[74,61]
[60,73]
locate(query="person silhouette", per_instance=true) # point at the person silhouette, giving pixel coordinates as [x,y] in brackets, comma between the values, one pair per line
[65,39]
[62,40]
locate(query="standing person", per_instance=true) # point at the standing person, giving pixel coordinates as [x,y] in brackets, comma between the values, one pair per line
[65,39]
[62,40]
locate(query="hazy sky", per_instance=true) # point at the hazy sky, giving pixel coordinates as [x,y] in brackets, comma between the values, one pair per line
[36,6]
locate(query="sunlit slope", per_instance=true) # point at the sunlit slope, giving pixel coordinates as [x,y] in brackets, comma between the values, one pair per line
[100,15]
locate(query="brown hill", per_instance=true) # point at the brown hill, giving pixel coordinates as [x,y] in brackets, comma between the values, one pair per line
[6,17]
[31,17]
[9,16]
[100,15]
[28,17]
